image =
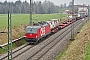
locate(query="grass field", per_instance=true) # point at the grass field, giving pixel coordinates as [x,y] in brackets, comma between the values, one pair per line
[87,51]
[14,45]
[18,19]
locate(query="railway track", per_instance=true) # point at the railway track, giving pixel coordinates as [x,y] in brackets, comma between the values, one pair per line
[44,54]
[40,53]
[35,51]
[16,52]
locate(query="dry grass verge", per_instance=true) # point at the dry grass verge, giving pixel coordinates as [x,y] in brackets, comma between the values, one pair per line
[16,33]
[76,50]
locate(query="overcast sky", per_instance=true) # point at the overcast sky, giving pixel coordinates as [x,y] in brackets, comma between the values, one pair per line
[58,2]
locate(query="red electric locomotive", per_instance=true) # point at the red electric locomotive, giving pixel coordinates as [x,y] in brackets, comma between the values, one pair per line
[36,32]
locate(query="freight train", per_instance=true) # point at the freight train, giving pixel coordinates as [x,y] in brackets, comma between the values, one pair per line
[40,30]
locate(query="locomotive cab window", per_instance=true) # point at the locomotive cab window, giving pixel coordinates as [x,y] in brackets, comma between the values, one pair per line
[31,30]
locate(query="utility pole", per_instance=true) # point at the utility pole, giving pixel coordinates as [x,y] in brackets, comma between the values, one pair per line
[49,9]
[72,25]
[61,14]
[9,36]
[31,13]
[88,12]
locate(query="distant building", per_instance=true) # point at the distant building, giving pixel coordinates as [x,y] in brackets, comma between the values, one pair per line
[81,9]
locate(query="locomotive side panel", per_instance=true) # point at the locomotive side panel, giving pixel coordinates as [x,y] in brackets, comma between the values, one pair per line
[38,33]
[47,29]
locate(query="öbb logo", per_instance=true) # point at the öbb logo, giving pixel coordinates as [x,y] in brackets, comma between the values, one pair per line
[42,31]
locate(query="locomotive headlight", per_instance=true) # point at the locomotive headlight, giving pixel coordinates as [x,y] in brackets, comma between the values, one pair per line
[36,36]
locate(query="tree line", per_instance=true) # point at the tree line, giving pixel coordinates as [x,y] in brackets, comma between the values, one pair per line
[38,7]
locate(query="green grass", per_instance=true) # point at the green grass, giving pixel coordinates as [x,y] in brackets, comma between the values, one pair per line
[87,52]
[18,19]
[5,48]
[60,55]
[14,45]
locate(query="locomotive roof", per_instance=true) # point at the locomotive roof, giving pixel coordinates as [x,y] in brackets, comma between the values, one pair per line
[41,24]
[33,27]
[38,26]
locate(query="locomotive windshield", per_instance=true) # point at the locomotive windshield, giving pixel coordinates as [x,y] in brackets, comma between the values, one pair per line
[31,30]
